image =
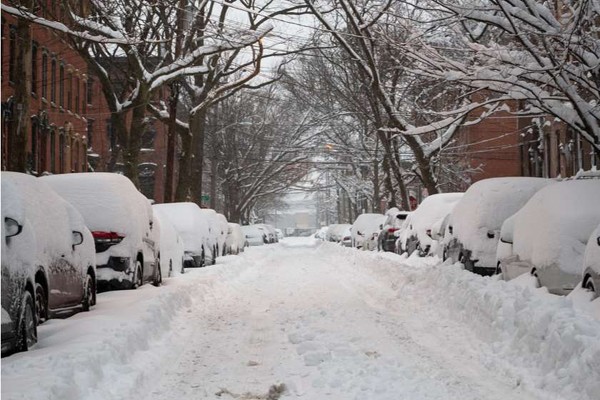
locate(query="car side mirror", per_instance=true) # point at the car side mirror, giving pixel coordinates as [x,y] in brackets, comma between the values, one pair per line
[450,229]
[491,234]
[12,227]
[151,224]
[77,238]
[359,233]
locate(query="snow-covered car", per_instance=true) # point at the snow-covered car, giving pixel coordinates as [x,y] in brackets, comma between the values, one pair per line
[393,221]
[279,233]
[222,228]
[365,230]
[270,231]
[254,235]
[214,233]
[402,235]
[321,234]
[347,237]
[477,218]
[235,241]
[170,245]
[121,221]
[335,232]
[417,236]
[550,234]
[591,263]
[48,259]
[192,225]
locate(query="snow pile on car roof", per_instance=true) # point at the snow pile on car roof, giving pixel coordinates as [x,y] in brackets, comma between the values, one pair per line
[430,211]
[108,202]
[555,225]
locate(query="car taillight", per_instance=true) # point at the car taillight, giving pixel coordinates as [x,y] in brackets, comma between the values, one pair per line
[103,240]
[392,230]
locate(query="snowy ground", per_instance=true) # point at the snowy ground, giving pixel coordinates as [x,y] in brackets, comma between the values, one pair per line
[318,321]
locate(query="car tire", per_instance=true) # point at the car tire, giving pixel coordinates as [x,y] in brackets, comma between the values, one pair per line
[137,275]
[41,304]
[26,334]
[589,285]
[534,273]
[89,293]
[158,275]
[499,271]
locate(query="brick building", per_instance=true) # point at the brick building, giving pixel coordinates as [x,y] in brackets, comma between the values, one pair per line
[505,144]
[69,129]
[60,100]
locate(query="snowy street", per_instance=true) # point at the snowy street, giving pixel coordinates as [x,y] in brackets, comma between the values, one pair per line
[314,320]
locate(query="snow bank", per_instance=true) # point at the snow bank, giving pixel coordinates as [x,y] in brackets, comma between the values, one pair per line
[544,342]
[110,352]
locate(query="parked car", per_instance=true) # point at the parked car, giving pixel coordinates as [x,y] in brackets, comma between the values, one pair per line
[591,264]
[477,218]
[121,221]
[270,232]
[365,230]
[192,226]
[393,221]
[335,233]
[321,234]
[418,233]
[214,232]
[346,237]
[170,245]
[254,235]
[550,234]
[279,234]
[48,260]
[221,229]
[402,235]
[235,241]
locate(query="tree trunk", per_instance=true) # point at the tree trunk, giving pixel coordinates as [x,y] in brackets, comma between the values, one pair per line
[184,182]
[131,155]
[198,124]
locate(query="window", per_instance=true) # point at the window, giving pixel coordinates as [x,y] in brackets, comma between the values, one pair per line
[61,85]
[12,55]
[44,75]
[61,152]
[84,99]
[90,90]
[70,91]
[53,81]
[77,92]
[53,151]
[34,71]
[34,145]
[90,132]
[110,134]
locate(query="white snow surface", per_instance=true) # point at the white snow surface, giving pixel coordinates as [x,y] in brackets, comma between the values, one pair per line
[591,258]
[326,322]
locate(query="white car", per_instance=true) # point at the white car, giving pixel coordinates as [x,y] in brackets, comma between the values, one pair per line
[222,228]
[591,263]
[121,221]
[321,234]
[417,235]
[235,241]
[254,235]
[48,259]
[476,220]
[365,230]
[170,244]
[192,226]
[550,234]
[214,234]
[335,232]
